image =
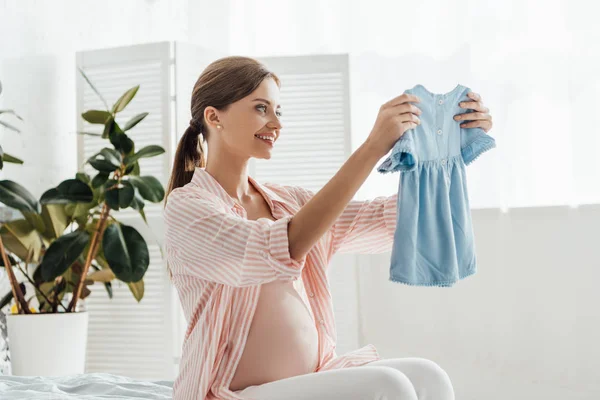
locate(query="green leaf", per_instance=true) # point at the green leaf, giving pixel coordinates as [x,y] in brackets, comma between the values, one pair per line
[104,275]
[16,196]
[112,156]
[126,252]
[68,191]
[96,116]
[138,204]
[125,99]
[133,169]
[148,151]
[134,121]
[106,160]
[119,197]
[9,126]
[100,179]
[93,87]
[55,220]
[78,210]
[150,188]
[10,159]
[83,177]
[122,142]
[108,128]
[62,253]
[21,239]
[137,288]
[102,165]
[75,190]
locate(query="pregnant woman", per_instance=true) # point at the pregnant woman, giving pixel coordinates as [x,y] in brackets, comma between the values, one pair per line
[249,260]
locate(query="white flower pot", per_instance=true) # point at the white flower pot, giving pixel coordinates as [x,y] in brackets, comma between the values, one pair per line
[47,344]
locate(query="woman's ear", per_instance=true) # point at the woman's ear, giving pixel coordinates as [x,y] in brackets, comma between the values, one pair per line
[212,117]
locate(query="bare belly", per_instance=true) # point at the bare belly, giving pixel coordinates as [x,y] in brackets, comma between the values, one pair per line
[282,341]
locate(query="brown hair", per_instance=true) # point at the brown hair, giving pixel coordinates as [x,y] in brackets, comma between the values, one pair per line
[223,82]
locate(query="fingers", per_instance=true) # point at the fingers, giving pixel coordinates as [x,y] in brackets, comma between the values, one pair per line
[403,98]
[474,96]
[474,105]
[486,125]
[408,118]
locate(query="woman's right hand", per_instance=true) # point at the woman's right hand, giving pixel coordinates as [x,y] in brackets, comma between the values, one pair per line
[394,119]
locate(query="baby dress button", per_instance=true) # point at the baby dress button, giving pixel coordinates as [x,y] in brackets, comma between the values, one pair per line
[441,101]
[311,294]
[444,161]
[439,132]
[322,322]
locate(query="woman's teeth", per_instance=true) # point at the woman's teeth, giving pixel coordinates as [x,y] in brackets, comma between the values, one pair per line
[270,139]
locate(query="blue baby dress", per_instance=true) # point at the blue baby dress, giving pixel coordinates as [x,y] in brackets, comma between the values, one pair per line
[433,242]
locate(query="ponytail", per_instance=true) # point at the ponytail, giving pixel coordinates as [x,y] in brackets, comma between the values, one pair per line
[188,156]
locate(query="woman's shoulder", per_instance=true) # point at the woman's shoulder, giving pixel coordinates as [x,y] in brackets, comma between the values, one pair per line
[191,195]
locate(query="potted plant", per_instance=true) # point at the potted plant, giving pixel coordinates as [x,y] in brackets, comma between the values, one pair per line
[4,157]
[68,240]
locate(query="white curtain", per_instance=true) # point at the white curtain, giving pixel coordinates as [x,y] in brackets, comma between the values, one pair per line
[535,63]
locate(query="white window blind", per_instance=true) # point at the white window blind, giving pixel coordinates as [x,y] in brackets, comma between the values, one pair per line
[126,337]
[315,139]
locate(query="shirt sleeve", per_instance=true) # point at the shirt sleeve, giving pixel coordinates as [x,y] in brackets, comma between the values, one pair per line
[204,241]
[364,227]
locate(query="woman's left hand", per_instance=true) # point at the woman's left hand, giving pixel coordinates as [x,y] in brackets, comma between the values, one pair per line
[480,118]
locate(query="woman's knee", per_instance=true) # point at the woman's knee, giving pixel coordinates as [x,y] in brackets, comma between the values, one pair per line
[391,384]
[434,383]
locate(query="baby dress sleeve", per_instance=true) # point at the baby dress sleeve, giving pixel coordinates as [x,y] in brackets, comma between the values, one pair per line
[474,141]
[403,157]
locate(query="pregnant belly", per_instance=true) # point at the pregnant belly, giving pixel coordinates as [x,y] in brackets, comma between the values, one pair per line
[282,341]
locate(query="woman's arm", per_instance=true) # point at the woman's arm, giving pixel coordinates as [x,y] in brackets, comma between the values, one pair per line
[364,224]
[364,227]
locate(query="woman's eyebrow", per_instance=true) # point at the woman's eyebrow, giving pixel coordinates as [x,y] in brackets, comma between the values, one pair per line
[266,101]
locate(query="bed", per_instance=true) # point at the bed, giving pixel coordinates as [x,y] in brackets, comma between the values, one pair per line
[85,386]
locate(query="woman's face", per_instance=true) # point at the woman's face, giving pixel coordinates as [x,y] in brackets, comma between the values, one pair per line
[256,114]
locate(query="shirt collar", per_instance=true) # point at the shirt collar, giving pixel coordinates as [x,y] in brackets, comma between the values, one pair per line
[207,182]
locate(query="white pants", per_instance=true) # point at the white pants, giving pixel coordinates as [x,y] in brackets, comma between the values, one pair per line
[387,379]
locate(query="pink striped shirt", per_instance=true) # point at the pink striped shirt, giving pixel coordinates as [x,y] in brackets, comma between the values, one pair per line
[219,259]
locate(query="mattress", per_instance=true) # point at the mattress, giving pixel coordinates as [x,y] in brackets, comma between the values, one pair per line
[84,386]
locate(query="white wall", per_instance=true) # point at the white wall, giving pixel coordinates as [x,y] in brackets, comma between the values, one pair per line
[525,326]
[38,41]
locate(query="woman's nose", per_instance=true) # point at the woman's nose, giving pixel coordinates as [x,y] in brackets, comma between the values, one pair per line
[275,124]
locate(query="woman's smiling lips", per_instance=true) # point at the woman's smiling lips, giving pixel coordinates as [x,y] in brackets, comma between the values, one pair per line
[269,141]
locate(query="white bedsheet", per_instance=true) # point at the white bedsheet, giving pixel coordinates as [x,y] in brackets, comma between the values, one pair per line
[85,386]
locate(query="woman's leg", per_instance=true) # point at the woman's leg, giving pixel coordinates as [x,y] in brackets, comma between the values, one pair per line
[430,381]
[353,383]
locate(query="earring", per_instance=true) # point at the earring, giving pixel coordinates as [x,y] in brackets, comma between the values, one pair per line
[219,126]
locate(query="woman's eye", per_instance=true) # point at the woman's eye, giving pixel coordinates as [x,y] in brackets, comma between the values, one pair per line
[263,108]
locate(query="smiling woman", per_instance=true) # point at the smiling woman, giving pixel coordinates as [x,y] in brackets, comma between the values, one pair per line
[250,260]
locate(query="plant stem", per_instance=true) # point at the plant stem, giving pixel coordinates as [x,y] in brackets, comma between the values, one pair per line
[90,256]
[16,289]
[38,289]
